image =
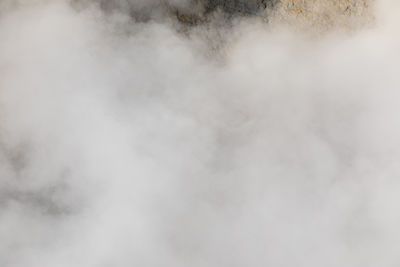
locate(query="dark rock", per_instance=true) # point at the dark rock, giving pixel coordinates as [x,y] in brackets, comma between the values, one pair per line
[229,7]
[237,6]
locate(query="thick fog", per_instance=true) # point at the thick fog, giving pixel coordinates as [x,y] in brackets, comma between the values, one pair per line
[242,141]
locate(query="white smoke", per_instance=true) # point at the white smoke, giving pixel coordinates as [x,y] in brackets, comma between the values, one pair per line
[129,143]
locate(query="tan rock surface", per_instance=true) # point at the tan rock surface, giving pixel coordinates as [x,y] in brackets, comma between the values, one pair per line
[324,13]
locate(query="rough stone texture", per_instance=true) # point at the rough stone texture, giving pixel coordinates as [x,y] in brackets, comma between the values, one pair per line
[315,13]
[237,6]
[314,7]
[324,14]
[229,7]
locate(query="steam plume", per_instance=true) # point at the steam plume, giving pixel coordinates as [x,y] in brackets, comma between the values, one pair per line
[129,138]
